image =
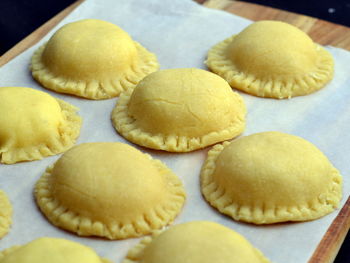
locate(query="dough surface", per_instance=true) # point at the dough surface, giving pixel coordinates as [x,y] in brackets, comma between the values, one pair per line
[53,250]
[179,110]
[195,242]
[93,59]
[272,59]
[5,214]
[111,190]
[34,125]
[270,177]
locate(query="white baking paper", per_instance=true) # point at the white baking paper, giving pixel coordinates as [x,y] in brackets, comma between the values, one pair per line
[180,33]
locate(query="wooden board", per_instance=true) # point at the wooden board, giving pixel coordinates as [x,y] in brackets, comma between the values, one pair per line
[323,32]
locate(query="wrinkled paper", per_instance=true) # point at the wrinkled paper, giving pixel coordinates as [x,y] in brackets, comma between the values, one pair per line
[180,33]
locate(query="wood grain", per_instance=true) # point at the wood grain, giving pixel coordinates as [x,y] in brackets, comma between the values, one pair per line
[38,34]
[322,32]
[331,242]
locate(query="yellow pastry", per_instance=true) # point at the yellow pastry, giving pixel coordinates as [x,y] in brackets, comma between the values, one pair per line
[53,250]
[270,177]
[109,189]
[93,59]
[5,214]
[195,242]
[34,125]
[272,59]
[179,110]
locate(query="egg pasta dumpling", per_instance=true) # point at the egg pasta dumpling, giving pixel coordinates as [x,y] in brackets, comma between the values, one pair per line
[110,190]
[53,250]
[5,214]
[270,177]
[179,110]
[272,59]
[93,59]
[34,125]
[195,242]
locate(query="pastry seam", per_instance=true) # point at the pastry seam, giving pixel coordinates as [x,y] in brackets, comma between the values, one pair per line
[126,126]
[95,89]
[161,215]
[68,131]
[262,214]
[219,63]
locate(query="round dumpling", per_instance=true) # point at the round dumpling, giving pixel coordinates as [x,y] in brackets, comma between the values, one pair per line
[272,59]
[93,59]
[195,242]
[5,214]
[179,110]
[270,177]
[53,250]
[110,190]
[34,125]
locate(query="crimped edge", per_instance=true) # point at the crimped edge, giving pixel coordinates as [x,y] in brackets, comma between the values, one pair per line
[95,89]
[126,126]
[262,214]
[14,248]
[163,213]
[135,254]
[7,251]
[218,62]
[6,212]
[67,134]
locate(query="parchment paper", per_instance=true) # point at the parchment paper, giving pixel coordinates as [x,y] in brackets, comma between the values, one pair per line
[180,33]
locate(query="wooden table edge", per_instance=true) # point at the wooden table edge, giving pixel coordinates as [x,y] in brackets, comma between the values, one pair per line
[332,34]
[330,244]
[321,31]
[36,35]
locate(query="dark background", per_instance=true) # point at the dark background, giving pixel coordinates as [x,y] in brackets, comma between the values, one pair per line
[18,18]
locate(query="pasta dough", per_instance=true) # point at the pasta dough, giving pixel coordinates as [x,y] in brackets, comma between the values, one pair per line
[5,214]
[34,125]
[110,190]
[53,250]
[272,59]
[195,242]
[92,59]
[270,177]
[179,110]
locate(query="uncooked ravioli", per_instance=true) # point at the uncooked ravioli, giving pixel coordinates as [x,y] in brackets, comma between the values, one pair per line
[179,110]
[53,250]
[111,190]
[270,177]
[5,214]
[272,59]
[195,242]
[93,59]
[34,125]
